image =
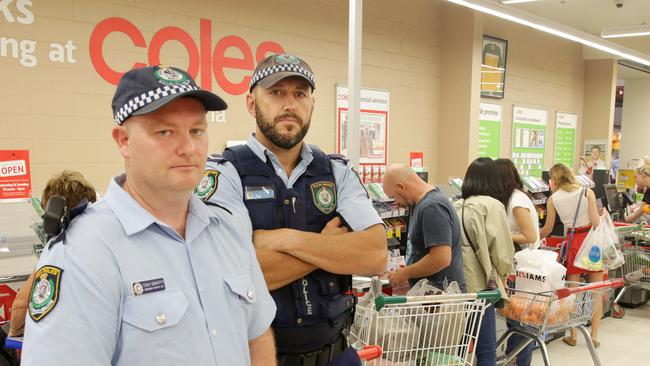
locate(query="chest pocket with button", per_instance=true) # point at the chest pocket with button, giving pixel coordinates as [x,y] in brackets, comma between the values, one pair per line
[243,296]
[155,311]
[241,284]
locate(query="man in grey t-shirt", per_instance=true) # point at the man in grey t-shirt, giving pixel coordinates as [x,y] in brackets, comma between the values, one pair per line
[434,247]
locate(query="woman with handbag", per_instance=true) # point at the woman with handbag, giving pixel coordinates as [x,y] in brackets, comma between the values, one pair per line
[576,207]
[487,245]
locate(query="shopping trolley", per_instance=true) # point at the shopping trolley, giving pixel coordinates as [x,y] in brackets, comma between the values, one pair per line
[636,270]
[422,330]
[535,315]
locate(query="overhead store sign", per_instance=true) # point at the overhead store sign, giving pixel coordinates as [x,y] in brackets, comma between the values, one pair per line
[203,58]
[373,141]
[15,178]
[489,130]
[206,58]
[529,140]
[565,137]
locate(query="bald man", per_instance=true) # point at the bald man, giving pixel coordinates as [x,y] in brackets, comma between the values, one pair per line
[434,248]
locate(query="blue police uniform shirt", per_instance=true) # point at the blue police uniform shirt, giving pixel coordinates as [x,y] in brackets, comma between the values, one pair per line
[134,292]
[353,203]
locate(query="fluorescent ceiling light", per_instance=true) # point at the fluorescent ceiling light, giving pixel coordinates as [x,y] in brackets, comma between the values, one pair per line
[516,1]
[617,32]
[560,30]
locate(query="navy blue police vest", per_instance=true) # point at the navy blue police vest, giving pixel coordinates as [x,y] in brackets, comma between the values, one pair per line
[314,310]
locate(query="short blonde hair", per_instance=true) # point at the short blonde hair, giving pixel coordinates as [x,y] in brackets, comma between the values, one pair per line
[563,178]
[71,185]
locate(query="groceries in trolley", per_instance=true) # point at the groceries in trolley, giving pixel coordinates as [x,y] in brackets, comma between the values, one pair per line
[641,268]
[534,315]
[636,268]
[538,309]
[427,327]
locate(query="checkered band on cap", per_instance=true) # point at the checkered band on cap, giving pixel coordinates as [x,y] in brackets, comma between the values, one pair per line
[152,95]
[261,74]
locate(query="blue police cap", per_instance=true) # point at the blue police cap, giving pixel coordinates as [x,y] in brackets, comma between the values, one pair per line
[277,67]
[147,89]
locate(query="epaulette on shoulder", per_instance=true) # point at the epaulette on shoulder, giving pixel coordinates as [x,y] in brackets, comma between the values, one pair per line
[210,203]
[67,221]
[338,157]
[216,158]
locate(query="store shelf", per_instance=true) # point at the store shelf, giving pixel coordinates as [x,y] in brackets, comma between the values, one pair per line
[541,201]
[388,210]
[535,185]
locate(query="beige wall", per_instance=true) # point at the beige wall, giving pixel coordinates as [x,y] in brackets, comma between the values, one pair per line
[61,111]
[542,71]
[636,119]
[424,52]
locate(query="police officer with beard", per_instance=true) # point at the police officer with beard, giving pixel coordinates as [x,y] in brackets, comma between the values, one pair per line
[313,224]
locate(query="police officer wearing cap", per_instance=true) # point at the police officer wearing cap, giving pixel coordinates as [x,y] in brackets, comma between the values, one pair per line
[151,275]
[312,220]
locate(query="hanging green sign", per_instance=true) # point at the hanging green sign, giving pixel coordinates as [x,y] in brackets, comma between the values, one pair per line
[529,140]
[565,137]
[489,130]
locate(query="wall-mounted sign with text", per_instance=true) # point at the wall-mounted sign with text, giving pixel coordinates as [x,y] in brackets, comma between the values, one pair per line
[565,138]
[15,177]
[489,130]
[529,140]
[229,60]
[373,140]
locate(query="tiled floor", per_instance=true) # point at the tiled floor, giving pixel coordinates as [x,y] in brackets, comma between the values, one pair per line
[623,342]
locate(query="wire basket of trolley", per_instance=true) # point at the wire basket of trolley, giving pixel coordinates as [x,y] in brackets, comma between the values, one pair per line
[635,245]
[420,330]
[533,316]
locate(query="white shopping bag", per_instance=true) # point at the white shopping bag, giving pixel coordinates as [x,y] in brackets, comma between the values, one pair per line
[590,255]
[538,271]
[612,256]
[608,227]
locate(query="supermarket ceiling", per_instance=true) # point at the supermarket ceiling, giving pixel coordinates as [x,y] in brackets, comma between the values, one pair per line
[592,16]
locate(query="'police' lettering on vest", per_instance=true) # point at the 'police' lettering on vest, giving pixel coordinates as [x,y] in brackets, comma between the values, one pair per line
[305,293]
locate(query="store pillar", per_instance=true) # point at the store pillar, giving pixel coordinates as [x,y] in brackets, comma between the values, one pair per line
[636,119]
[461,37]
[600,93]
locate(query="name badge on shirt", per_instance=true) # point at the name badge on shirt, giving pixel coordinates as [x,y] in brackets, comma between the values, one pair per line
[258,192]
[148,286]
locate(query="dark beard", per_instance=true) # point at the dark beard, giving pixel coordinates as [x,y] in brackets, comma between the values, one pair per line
[268,129]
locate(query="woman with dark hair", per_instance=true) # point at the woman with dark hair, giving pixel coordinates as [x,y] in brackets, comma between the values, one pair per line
[487,245]
[522,215]
[524,228]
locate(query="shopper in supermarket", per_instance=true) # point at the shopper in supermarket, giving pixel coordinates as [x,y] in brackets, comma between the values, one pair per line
[591,162]
[522,215]
[77,190]
[487,244]
[642,178]
[150,274]
[524,228]
[313,222]
[433,248]
[577,209]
